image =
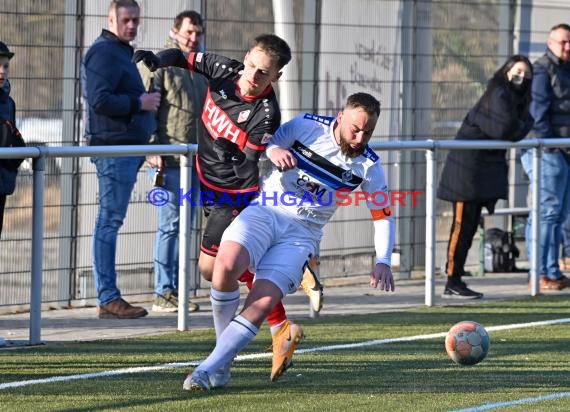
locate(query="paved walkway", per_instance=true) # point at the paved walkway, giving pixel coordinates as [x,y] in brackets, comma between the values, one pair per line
[81,324]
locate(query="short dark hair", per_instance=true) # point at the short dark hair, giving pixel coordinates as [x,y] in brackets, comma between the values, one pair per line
[274,46]
[562,26]
[363,101]
[194,17]
[117,4]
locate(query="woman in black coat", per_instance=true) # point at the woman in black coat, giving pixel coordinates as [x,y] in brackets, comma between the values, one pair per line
[473,179]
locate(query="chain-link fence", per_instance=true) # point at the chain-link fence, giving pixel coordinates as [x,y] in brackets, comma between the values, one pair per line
[427,61]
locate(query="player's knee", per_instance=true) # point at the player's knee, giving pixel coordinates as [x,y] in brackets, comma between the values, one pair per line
[225,264]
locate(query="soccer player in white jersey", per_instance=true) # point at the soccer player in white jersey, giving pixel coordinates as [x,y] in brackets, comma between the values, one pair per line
[318,160]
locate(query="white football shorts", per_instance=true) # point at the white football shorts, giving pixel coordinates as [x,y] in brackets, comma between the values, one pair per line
[278,244]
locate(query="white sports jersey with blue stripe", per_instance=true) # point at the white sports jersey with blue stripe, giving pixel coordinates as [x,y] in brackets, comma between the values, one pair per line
[324,176]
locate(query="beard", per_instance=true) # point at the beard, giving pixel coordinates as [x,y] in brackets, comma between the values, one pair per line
[349,151]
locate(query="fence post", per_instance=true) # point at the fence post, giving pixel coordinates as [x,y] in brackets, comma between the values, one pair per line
[535,222]
[431,166]
[69,181]
[185,263]
[38,165]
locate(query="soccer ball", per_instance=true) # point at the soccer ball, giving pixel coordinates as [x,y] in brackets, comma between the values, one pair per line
[467,343]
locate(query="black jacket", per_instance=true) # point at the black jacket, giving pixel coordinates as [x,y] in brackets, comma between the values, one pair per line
[7,112]
[482,175]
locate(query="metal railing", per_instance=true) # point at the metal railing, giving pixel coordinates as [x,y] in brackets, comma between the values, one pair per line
[188,255]
[431,147]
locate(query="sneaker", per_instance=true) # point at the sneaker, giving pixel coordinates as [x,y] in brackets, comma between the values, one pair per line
[192,307]
[120,309]
[221,377]
[169,303]
[285,341]
[311,284]
[558,284]
[197,381]
[459,290]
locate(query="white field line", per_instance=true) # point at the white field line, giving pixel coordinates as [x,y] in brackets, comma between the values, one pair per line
[524,401]
[177,365]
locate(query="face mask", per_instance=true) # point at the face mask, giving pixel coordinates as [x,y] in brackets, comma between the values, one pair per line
[517,80]
[520,83]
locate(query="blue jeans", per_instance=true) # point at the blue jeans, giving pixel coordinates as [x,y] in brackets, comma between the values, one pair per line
[554,208]
[166,244]
[116,177]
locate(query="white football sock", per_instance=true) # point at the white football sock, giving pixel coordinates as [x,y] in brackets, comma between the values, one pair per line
[224,307]
[275,328]
[232,341]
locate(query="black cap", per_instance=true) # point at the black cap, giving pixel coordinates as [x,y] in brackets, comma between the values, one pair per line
[5,51]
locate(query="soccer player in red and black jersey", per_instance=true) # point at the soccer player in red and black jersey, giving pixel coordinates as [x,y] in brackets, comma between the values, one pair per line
[240,115]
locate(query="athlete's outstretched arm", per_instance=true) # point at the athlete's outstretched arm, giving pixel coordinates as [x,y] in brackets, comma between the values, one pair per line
[384,229]
[164,58]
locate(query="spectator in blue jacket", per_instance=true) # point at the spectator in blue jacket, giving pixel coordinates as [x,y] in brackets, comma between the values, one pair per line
[119,112]
[7,112]
[550,108]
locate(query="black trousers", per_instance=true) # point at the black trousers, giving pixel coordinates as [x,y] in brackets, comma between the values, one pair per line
[466,218]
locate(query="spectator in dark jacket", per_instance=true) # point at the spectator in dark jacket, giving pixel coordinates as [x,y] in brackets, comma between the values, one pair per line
[551,110]
[119,112]
[7,112]
[473,179]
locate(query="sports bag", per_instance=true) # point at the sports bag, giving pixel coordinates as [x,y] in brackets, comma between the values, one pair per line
[500,251]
